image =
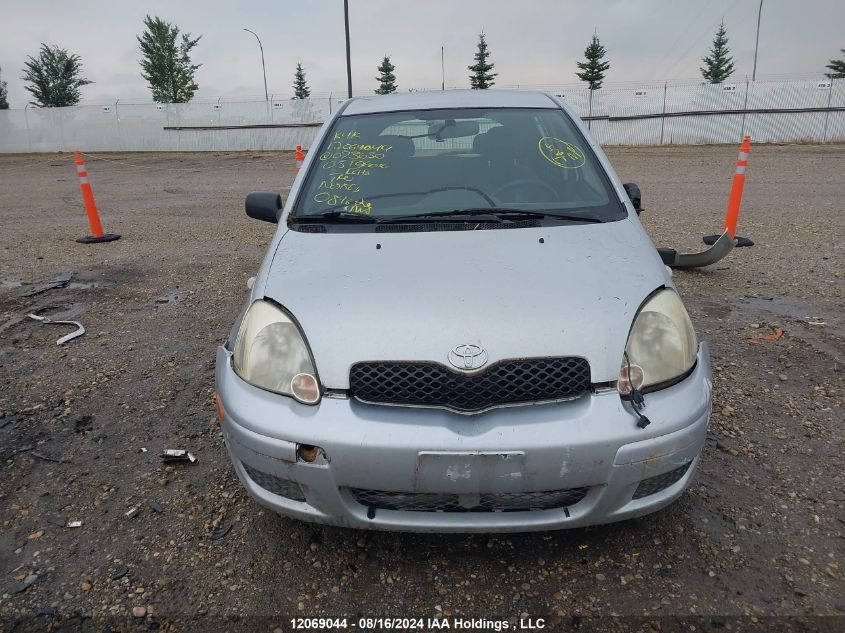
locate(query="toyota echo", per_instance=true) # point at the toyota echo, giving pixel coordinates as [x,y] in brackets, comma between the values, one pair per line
[461,326]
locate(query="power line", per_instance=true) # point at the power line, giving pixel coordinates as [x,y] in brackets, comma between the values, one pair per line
[704,8]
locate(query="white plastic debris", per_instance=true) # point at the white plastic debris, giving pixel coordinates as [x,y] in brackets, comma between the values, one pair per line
[80,330]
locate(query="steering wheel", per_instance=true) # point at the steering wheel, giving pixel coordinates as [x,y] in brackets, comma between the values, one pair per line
[523,182]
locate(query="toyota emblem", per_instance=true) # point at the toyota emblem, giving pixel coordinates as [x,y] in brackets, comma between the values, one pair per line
[467,356]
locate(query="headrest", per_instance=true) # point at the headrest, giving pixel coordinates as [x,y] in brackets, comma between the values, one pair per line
[492,141]
[403,147]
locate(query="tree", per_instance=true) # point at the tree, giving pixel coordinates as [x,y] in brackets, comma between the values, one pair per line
[55,77]
[838,68]
[387,80]
[166,62]
[718,65]
[4,93]
[593,68]
[300,87]
[481,77]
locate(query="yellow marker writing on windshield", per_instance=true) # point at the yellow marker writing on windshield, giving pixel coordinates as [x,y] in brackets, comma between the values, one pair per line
[561,153]
[361,207]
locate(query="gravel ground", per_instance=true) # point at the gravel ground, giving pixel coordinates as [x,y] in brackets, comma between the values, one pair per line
[755,544]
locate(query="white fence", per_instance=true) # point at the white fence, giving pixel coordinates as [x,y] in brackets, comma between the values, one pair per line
[783,111]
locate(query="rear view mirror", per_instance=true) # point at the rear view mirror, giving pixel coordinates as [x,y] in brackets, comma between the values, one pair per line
[264,205]
[634,196]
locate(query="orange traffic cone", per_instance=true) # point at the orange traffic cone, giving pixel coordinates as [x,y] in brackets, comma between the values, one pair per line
[735,198]
[97,234]
[299,158]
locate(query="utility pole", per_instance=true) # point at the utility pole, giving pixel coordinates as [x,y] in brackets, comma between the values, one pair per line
[442,71]
[348,58]
[263,69]
[757,41]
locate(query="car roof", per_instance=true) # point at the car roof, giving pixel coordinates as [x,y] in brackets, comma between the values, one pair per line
[436,99]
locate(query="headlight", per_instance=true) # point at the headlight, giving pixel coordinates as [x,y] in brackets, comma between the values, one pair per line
[661,347]
[270,353]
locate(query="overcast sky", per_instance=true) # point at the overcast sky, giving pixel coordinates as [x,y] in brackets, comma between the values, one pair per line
[533,42]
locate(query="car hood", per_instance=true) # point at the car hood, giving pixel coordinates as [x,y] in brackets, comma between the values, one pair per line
[569,290]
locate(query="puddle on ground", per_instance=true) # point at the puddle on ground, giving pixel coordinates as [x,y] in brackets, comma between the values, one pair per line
[795,311]
[778,306]
[802,321]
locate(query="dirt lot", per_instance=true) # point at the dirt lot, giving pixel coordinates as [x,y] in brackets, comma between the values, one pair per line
[756,543]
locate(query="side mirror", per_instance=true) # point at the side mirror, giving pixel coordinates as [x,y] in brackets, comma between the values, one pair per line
[264,205]
[634,196]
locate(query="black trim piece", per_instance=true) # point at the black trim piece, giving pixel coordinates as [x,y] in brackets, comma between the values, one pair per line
[669,115]
[667,255]
[659,483]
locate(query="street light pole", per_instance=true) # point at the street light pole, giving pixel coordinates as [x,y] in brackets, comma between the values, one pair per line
[442,71]
[263,69]
[757,41]
[348,59]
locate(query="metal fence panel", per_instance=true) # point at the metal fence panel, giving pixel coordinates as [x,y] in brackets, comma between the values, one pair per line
[647,114]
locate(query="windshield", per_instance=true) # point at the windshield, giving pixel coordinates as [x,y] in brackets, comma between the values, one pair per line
[402,164]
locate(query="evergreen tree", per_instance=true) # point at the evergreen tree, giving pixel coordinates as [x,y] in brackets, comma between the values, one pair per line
[718,65]
[387,80]
[300,87]
[481,77]
[55,77]
[838,68]
[166,63]
[593,68]
[4,93]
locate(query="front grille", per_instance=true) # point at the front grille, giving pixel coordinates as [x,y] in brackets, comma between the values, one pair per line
[660,482]
[420,227]
[276,485]
[484,502]
[434,385]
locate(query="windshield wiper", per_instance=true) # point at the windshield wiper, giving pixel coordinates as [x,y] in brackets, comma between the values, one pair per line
[336,215]
[575,218]
[498,212]
[337,210]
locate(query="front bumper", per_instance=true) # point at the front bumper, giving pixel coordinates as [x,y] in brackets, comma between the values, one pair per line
[591,445]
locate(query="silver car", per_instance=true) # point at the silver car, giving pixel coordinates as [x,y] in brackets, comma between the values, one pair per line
[461,326]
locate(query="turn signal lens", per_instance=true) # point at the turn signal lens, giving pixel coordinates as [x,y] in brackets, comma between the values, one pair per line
[626,379]
[305,388]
